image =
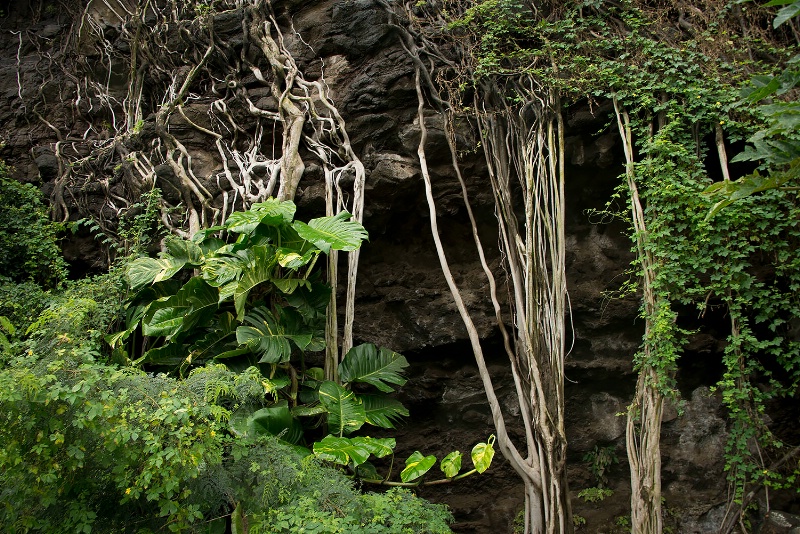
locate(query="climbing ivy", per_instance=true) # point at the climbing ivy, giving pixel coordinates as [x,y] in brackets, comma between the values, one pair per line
[682,92]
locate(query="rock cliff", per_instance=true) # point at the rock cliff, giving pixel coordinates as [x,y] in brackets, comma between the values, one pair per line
[80,119]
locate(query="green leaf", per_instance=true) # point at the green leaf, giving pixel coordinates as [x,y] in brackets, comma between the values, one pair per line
[258,271]
[6,325]
[291,259]
[184,251]
[345,412]
[141,272]
[341,450]
[203,299]
[311,302]
[289,285]
[416,466]
[211,344]
[382,411]
[275,212]
[378,447]
[369,365]
[221,270]
[273,420]
[169,355]
[335,232]
[264,336]
[482,455]
[786,13]
[165,317]
[270,212]
[451,464]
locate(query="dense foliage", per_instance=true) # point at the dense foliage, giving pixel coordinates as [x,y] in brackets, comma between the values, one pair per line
[688,85]
[91,446]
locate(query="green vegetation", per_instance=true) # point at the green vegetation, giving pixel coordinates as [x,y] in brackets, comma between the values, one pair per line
[28,239]
[723,251]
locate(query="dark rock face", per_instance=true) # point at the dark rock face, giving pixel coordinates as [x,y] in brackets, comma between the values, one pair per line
[403,302]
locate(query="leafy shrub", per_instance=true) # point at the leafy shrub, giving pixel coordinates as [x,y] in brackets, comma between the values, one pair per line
[92,447]
[29,249]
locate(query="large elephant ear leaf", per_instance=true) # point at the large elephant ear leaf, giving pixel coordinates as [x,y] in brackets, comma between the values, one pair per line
[336,232]
[370,365]
[345,412]
[341,451]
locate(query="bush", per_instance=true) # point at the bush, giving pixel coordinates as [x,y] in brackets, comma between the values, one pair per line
[93,447]
[29,249]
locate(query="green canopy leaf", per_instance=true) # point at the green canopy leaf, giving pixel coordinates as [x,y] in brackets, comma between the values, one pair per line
[335,232]
[345,412]
[416,466]
[370,365]
[341,451]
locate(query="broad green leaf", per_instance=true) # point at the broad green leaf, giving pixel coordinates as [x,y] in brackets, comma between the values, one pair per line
[370,365]
[271,212]
[203,299]
[341,450]
[382,411]
[273,420]
[291,259]
[166,318]
[305,410]
[118,338]
[169,267]
[213,342]
[451,464]
[482,455]
[345,412]
[367,471]
[184,251]
[275,211]
[264,336]
[258,271]
[141,272]
[221,270]
[378,447]
[335,232]
[269,336]
[194,304]
[416,466]
[786,13]
[289,285]
[311,301]
[170,355]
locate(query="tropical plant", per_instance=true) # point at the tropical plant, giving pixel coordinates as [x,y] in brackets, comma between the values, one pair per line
[254,300]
